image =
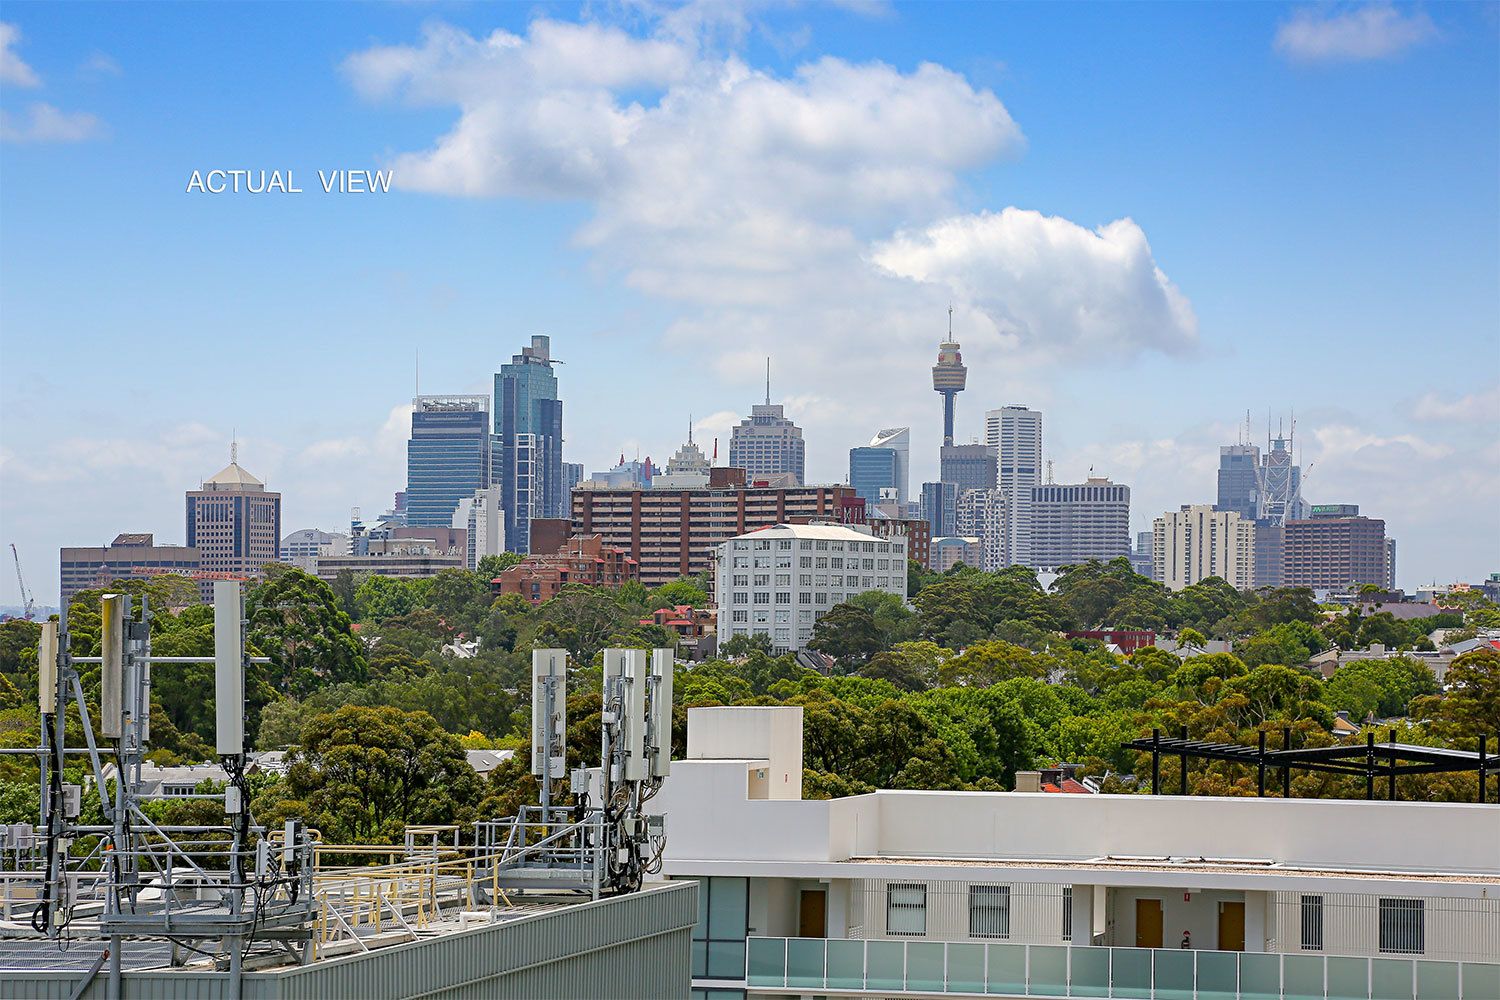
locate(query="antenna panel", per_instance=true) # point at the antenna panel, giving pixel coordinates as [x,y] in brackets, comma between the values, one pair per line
[549,736]
[661,712]
[229,669]
[633,717]
[46,669]
[112,667]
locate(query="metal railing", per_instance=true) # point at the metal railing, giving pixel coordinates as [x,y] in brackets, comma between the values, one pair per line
[819,965]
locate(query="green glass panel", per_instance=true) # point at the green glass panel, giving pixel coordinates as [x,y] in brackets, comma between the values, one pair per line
[1303,977]
[1480,980]
[1049,971]
[1348,978]
[1172,974]
[1391,979]
[1437,981]
[767,962]
[1218,975]
[726,959]
[924,966]
[1130,972]
[1089,974]
[966,968]
[804,962]
[1007,969]
[727,913]
[1260,976]
[846,965]
[700,959]
[885,965]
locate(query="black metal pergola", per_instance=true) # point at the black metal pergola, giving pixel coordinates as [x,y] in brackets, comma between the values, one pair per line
[1370,760]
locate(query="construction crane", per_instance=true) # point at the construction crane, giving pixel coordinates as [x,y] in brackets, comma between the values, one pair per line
[28,600]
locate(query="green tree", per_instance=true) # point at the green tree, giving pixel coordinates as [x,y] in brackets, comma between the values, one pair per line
[492,566]
[581,619]
[913,666]
[1471,705]
[986,663]
[382,597]
[362,774]
[847,633]
[683,590]
[296,621]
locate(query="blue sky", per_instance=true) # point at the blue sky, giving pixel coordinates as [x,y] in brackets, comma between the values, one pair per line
[1149,218]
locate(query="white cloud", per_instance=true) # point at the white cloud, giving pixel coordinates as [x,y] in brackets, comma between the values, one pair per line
[98,65]
[1050,285]
[44,123]
[13,69]
[1327,33]
[1478,407]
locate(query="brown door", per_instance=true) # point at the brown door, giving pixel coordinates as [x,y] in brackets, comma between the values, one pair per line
[1148,923]
[812,916]
[1231,926]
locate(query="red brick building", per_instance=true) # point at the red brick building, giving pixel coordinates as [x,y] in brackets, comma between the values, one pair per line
[690,623]
[582,559]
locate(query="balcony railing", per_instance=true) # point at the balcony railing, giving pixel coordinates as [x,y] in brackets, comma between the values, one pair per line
[816,965]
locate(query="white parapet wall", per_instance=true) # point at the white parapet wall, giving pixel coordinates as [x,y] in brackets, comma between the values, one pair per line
[772,734]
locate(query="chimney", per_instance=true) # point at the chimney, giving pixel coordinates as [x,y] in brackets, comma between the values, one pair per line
[1028,781]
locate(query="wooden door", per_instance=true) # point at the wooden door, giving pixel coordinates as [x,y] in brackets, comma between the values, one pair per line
[812,914]
[1148,923]
[1231,926]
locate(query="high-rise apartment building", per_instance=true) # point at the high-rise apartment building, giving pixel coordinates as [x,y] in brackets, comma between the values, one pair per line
[1198,542]
[1335,549]
[1071,524]
[780,580]
[1390,564]
[968,466]
[1015,432]
[898,439]
[128,557]
[940,508]
[234,522]
[483,517]
[872,473]
[527,459]
[674,532]
[768,443]
[981,514]
[447,456]
[1240,480]
[1140,555]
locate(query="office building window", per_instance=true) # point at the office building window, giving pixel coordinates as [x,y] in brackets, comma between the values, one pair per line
[1067,913]
[906,909]
[1312,923]
[723,924]
[1402,927]
[989,911]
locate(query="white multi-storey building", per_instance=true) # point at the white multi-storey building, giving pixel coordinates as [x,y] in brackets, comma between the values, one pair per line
[779,581]
[1073,523]
[898,439]
[483,517]
[1031,894]
[1198,542]
[1015,432]
[982,515]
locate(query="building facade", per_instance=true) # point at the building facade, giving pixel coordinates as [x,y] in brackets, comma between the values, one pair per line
[128,557]
[1198,542]
[483,517]
[778,581]
[1240,481]
[968,466]
[1335,549]
[940,508]
[1071,524]
[1015,432]
[982,514]
[872,471]
[675,532]
[583,559]
[527,443]
[955,550]
[898,439]
[234,522]
[768,443]
[447,456]
[1015,894]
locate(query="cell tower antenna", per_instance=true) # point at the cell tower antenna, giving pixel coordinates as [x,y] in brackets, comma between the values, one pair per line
[768,381]
[950,320]
[1049,472]
[234,446]
[690,428]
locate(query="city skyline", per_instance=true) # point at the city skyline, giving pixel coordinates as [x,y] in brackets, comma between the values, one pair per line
[1275,257]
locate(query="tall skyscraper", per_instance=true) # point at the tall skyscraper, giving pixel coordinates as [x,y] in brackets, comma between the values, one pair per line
[949,376]
[872,471]
[968,466]
[1015,432]
[233,522]
[1335,548]
[1198,542]
[767,443]
[981,514]
[527,445]
[1071,524]
[1239,480]
[1281,482]
[447,456]
[898,439]
[483,518]
[940,508]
